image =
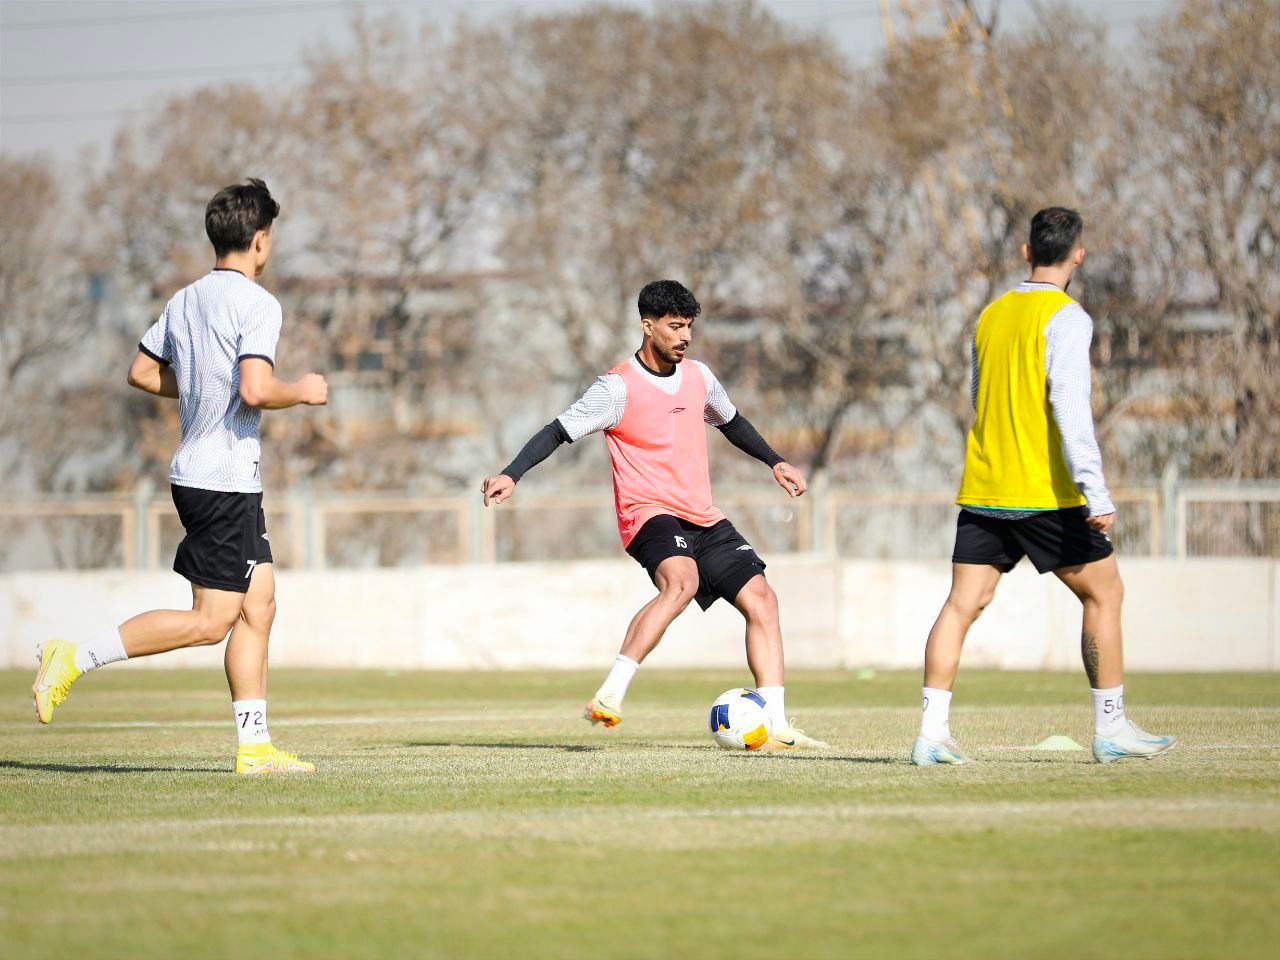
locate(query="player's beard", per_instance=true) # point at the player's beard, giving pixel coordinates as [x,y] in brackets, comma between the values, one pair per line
[668,356]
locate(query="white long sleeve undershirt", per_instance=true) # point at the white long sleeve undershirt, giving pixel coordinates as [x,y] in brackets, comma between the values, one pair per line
[1066,359]
[602,406]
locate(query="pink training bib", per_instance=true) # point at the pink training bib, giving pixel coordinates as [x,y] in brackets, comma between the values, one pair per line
[659,453]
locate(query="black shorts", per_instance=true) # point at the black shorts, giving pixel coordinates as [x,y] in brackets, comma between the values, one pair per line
[1053,540]
[725,560]
[226,537]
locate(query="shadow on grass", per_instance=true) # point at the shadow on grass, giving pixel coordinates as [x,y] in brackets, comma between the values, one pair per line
[821,759]
[100,768]
[566,747]
[650,745]
[775,755]
[570,747]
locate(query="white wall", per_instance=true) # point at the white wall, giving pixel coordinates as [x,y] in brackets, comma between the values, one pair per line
[1179,615]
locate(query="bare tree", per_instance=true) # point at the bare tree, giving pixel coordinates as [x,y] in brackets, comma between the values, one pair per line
[396,141]
[1215,88]
[44,308]
[470,213]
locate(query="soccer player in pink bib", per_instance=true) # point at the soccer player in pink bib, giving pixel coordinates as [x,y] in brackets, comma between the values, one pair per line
[653,409]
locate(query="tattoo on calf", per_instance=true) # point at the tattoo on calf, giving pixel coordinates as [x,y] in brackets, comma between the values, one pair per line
[1089,653]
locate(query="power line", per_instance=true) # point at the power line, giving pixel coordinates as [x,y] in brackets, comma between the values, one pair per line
[230,72]
[65,117]
[36,80]
[219,11]
[109,76]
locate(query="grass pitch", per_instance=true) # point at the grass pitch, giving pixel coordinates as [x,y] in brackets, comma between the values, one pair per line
[474,815]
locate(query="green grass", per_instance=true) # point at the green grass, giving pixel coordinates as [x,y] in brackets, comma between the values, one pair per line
[473,815]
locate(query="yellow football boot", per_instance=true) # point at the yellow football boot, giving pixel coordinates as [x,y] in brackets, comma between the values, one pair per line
[604,710]
[262,759]
[58,671]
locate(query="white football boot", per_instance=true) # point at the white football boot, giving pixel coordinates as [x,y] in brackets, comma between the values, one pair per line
[1130,741]
[927,753]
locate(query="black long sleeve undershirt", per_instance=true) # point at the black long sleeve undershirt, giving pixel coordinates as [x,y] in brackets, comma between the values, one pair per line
[540,446]
[739,431]
[746,438]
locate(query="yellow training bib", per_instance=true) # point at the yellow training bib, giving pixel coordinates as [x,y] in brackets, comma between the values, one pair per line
[1013,457]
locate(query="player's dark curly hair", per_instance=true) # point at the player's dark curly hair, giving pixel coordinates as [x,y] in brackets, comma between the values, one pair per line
[236,213]
[1054,232]
[667,298]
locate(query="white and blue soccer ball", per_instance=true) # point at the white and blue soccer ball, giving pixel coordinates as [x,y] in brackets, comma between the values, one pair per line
[739,720]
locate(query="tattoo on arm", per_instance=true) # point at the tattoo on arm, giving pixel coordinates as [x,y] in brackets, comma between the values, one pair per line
[1089,653]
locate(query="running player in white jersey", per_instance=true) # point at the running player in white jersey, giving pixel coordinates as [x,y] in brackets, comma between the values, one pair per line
[213,350]
[654,411]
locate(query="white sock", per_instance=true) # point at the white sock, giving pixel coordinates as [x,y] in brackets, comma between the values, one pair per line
[934,720]
[251,721]
[1108,710]
[619,678]
[100,651]
[774,706]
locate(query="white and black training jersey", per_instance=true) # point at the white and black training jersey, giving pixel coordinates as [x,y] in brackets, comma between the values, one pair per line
[604,403]
[204,333]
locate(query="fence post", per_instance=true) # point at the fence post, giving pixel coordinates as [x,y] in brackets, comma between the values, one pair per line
[298,520]
[818,515]
[313,535]
[483,534]
[142,495]
[1169,510]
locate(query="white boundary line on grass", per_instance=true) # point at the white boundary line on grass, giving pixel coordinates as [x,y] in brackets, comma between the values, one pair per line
[335,721]
[1182,745]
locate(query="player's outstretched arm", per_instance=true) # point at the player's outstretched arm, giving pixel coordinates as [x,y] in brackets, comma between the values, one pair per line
[149,374]
[259,387]
[540,446]
[720,412]
[742,434]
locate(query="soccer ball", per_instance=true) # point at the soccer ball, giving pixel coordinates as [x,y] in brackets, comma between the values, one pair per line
[739,720]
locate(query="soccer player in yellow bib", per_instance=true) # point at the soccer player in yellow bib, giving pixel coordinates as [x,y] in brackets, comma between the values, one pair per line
[1033,487]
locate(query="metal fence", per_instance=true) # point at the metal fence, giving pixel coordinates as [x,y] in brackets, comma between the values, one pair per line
[1239,521]
[315,532]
